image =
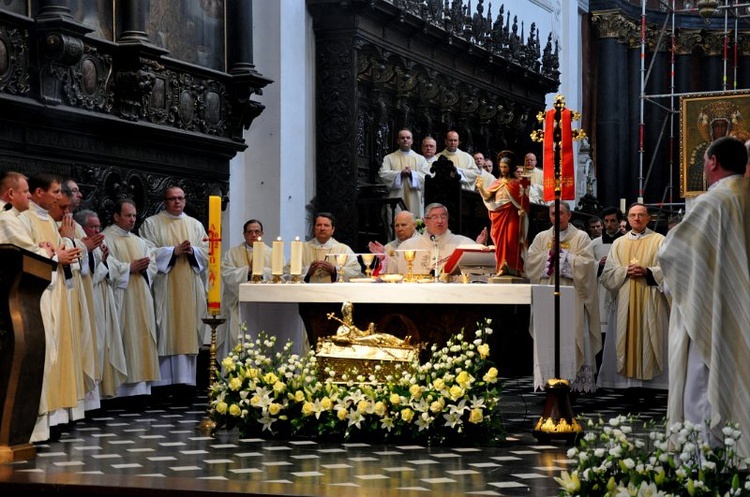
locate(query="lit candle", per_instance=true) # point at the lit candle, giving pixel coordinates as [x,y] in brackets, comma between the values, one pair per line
[214,255]
[259,255]
[295,267]
[277,257]
[622,206]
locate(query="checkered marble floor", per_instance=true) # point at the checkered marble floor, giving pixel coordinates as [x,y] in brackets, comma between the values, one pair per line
[159,444]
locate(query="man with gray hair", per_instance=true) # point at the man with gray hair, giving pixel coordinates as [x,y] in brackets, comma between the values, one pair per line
[435,245]
[111,357]
[577,268]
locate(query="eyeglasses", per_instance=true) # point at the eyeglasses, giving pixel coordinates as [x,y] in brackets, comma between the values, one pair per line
[438,217]
[174,199]
[253,232]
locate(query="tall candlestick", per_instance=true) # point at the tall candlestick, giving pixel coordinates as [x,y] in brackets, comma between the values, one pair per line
[214,255]
[259,255]
[295,267]
[277,257]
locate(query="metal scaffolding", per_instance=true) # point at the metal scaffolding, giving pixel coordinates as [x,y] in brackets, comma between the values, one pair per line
[737,11]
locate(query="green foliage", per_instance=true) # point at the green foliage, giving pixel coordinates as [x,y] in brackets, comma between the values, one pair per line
[451,398]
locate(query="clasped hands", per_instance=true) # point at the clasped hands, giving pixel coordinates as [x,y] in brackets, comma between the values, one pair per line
[183,248]
[321,265]
[636,271]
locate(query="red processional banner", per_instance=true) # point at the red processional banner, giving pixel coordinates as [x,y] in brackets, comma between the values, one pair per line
[567,170]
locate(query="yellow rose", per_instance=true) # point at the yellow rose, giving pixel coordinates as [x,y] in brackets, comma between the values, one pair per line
[326,403]
[307,409]
[437,406]
[251,373]
[270,378]
[362,406]
[235,384]
[456,392]
[379,409]
[464,379]
[228,364]
[407,415]
[342,414]
[234,410]
[491,375]
[299,395]
[415,391]
[221,407]
[255,400]
[279,387]
[438,384]
[475,416]
[274,408]
[484,350]
[395,399]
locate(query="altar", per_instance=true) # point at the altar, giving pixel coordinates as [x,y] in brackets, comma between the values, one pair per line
[429,312]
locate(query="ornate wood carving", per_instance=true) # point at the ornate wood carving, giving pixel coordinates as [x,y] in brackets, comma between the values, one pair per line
[117,114]
[428,65]
[14,70]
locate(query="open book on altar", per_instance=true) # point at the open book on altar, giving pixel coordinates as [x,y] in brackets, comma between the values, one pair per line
[474,255]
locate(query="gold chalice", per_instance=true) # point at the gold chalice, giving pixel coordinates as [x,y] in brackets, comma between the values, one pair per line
[340,262]
[410,255]
[367,259]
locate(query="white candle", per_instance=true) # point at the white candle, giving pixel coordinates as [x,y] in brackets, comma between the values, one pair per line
[277,257]
[296,263]
[640,200]
[622,206]
[259,255]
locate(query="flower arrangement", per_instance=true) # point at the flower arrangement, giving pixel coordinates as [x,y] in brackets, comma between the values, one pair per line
[612,460]
[419,225]
[452,397]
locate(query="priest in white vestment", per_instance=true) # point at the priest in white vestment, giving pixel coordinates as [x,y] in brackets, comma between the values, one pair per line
[81,297]
[635,349]
[577,268]
[179,287]
[403,171]
[132,272]
[706,265]
[464,162]
[404,227]
[319,261]
[237,268]
[64,386]
[434,246]
[111,356]
[536,178]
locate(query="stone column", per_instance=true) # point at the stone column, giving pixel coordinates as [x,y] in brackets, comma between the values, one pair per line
[132,14]
[54,9]
[612,129]
[240,36]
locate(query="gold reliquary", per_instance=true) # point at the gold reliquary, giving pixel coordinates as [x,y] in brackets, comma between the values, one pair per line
[366,356]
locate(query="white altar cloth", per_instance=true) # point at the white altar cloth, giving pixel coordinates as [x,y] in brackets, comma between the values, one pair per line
[543,333]
[274,307]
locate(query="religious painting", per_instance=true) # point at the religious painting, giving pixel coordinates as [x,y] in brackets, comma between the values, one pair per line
[703,119]
[193,31]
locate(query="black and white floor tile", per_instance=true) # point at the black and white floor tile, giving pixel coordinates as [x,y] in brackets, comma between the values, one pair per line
[156,444]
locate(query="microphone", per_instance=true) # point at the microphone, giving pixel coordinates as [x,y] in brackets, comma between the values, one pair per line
[437,256]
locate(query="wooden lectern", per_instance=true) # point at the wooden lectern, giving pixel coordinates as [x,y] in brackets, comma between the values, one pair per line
[23,278]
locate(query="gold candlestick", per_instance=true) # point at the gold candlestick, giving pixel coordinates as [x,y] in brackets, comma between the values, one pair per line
[207,425]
